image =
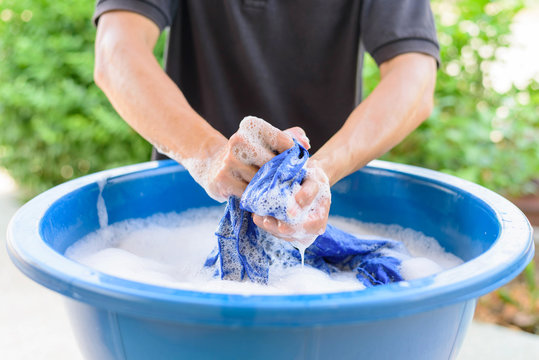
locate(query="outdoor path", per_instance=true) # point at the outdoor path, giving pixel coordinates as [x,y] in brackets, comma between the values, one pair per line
[34,325]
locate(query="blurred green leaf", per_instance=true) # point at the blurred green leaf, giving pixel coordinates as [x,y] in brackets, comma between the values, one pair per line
[507,298]
[52,115]
[465,136]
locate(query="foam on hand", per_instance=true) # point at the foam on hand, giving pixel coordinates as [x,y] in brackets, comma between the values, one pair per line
[259,139]
[256,132]
[201,170]
[171,249]
[302,238]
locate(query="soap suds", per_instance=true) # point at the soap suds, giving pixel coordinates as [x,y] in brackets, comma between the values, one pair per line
[171,249]
[302,238]
[255,143]
[102,214]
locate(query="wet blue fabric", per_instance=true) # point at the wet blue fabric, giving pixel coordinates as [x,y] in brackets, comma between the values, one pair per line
[241,251]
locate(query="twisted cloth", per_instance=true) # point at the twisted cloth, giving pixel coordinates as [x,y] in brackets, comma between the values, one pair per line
[245,251]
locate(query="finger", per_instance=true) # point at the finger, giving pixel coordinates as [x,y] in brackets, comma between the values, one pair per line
[275,227]
[247,173]
[307,193]
[232,188]
[297,130]
[241,170]
[265,223]
[249,153]
[281,142]
[236,186]
[299,134]
[262,156]
[228,183]
[259,132]
[258,220]
[235,162]
[317,221]
[317,226]
[284,229]
[269,224]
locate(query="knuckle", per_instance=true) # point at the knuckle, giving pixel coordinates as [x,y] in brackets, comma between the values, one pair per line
[257,220]
[236,175]
[248,122]
[229,161]
[314,226]
[236,140]
[284,139]
[220,177]
[284,228]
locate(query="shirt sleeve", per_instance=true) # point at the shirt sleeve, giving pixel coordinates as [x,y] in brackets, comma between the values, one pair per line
[393,27]
[160,12]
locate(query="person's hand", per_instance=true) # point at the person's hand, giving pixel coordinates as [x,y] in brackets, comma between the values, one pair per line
[308,214]
[235,162]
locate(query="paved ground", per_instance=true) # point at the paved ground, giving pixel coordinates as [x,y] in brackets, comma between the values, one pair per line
[34,326]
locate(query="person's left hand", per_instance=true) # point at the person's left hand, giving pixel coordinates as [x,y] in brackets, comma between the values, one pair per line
[308,214]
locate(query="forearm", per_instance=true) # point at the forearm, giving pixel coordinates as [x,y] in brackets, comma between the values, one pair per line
[148,99]
[400,102]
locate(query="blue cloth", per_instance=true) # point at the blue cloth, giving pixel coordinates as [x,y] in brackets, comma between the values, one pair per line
[243,250]
[239,249]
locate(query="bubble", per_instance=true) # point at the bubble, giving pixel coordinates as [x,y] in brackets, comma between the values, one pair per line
[171,249]
[26,15]
[66,171]
[6,15]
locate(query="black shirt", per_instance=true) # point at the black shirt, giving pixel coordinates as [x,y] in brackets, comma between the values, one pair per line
[290,62]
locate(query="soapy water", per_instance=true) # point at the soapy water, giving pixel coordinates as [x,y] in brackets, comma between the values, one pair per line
[102,214]
[256,142]
[170,250]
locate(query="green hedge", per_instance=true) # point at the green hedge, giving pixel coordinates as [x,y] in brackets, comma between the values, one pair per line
[56,124]
[474,132]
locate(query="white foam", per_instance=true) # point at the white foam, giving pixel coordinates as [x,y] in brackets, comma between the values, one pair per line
[259,134]
[202,171]
[302,238]
[170,250]
[419,267]
[417,244]
[102,213]
[259,138]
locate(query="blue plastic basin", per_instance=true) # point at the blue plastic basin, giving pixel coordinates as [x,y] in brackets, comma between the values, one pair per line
[421,319]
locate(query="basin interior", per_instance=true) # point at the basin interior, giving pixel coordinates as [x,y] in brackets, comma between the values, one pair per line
[463,224]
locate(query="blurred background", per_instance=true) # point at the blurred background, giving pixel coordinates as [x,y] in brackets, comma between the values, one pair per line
[56,125]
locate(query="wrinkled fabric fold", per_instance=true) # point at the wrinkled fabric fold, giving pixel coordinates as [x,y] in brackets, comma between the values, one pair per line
[243,248]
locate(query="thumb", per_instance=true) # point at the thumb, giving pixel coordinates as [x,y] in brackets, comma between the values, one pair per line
[299,134]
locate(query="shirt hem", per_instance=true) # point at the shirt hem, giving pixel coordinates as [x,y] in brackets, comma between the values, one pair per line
[140,7]
[402,46]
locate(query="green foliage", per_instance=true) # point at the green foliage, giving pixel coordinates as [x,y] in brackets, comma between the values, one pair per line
[530,277]
[56,124]
[475,132]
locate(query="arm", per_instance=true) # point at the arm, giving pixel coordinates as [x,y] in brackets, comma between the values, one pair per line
[400,102]
[141,92]
[152,104]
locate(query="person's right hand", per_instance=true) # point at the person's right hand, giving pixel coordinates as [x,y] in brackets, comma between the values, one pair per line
[232,166]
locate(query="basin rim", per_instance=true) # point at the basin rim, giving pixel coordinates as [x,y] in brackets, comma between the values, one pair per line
[506,258]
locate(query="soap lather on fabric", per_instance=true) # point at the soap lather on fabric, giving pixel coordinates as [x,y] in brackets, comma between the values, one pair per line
[242,251]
